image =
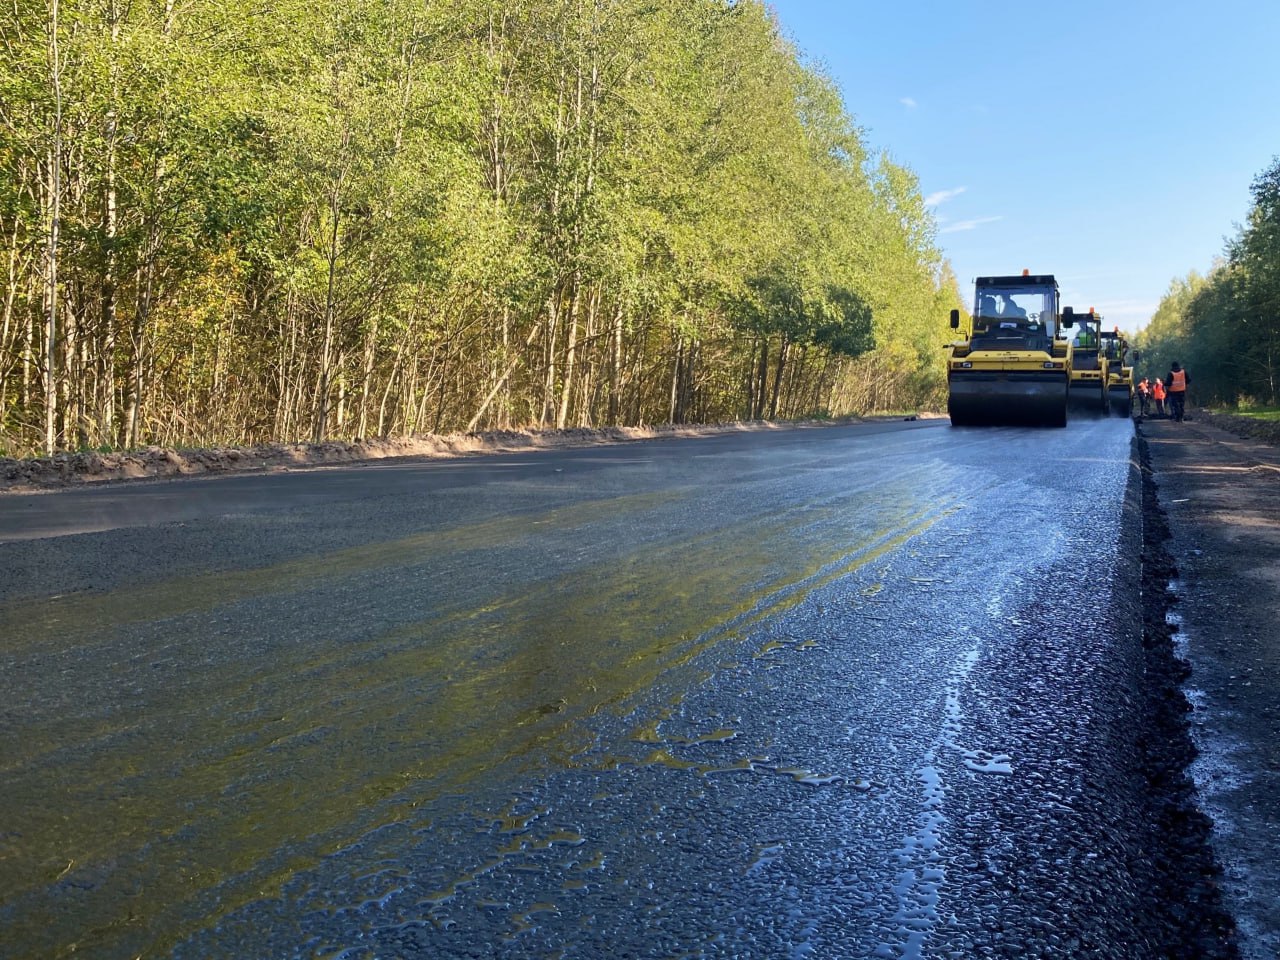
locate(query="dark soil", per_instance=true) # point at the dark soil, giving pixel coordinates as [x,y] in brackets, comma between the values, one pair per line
[1187,876]
[1219,492]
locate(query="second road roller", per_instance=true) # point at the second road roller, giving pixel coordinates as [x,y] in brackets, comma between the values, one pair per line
[1087,385]
[1119,372]
[1014,365]
[1101,379]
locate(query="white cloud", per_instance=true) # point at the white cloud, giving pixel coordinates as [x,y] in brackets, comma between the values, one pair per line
[942,196]
[909,103]
[960,225]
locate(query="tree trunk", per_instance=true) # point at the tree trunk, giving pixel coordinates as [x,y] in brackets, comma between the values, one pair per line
[288,344]
[777,379]
[570,353]
[8,333]
[366,380]
[138,332]
[549,382]
[321,416]
[397,372]
[615,368]
[762,380]
[53,220]
[504,405]
[673,410]
[110,228]
[586,391]
[502,382]
[29,361]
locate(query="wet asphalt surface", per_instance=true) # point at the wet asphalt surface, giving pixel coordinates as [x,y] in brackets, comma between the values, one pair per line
[869,691]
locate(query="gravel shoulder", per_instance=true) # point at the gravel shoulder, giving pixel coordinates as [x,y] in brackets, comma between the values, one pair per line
[1217,497]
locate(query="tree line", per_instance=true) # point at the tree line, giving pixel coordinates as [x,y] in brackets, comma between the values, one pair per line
[1225,327]
[230,221]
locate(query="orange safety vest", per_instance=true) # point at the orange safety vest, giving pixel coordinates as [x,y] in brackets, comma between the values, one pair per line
[1159,390]
[1144,387]
[1179,382]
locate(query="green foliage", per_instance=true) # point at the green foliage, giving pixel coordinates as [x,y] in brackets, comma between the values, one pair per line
[381,217]
[1225,328]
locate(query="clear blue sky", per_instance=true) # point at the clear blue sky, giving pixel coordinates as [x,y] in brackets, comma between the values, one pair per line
[1109,143]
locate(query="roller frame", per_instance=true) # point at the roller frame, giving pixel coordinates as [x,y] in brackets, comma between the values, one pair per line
[1007,397]
[1088,397]
[1120,400]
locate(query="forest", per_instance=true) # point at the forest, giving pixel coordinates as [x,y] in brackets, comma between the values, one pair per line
[235,221]
[1225,327]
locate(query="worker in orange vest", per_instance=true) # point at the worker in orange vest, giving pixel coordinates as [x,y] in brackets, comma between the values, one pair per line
[1178,382]
[1144,396]
[1157,392]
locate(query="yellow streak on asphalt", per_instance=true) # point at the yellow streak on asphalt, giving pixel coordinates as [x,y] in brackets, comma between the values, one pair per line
[222,787]
[50,618]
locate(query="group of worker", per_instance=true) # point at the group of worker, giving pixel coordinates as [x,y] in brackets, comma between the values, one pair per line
[1169,394]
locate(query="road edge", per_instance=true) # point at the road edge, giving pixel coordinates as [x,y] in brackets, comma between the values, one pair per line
[89,468]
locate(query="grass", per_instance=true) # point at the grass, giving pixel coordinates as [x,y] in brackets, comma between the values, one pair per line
[1270,414]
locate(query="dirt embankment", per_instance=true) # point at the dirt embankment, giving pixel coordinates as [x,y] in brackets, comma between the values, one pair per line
[68,469]
[1267,431]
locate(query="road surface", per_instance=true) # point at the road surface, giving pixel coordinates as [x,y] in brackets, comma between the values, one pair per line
[865,691]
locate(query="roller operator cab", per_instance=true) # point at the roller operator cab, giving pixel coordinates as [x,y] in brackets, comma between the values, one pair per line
[1014,365]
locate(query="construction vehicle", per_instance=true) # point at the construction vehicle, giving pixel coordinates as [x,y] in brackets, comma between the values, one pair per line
[1115,349]
[1089,363]
[1013,366]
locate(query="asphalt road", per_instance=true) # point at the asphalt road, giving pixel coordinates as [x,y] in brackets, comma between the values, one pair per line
[868,691]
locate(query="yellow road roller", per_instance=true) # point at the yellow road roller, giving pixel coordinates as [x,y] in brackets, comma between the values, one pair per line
[1087,390]
[1115,348]
[1013,367]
